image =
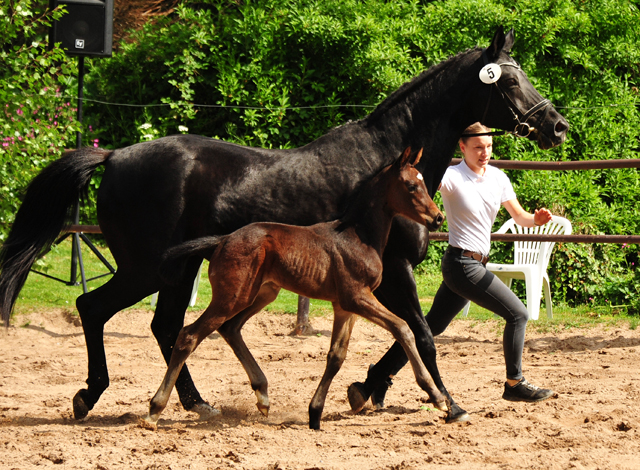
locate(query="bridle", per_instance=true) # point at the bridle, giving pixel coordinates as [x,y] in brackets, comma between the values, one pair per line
[522,129]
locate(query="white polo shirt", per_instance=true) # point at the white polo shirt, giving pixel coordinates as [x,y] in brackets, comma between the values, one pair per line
[471,203]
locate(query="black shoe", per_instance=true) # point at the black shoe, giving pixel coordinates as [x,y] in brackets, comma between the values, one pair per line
[378,394]
[524,391]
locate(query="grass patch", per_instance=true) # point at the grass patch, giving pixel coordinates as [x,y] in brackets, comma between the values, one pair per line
[40,293]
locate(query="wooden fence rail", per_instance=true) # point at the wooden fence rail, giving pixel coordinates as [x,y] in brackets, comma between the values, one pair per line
[583,165]
[532,237]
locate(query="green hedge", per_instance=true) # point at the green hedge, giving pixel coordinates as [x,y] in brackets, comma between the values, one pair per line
[37,120]
[272,73]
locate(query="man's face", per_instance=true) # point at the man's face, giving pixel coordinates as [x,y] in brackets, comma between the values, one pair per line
[477,152]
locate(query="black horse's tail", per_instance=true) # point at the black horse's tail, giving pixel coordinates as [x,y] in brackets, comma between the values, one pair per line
[175,258]
[45,211]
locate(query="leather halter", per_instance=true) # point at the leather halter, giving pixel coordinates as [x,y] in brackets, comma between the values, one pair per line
[522,129]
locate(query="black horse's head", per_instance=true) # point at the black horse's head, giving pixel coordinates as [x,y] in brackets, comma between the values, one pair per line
[509,101]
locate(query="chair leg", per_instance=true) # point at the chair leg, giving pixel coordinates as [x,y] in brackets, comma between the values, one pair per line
[196,284]
[534,291]
[547,296]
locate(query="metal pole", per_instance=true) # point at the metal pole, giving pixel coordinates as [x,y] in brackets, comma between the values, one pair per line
[302,322]
[76,255]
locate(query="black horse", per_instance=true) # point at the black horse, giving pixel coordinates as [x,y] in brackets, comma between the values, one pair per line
[158,194]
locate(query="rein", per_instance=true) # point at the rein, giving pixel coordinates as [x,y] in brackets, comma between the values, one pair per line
[522,129]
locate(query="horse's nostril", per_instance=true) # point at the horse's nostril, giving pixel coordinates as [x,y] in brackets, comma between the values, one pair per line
[439,219]
[561,127]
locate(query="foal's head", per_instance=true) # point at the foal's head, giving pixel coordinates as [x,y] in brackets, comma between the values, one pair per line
[407,194]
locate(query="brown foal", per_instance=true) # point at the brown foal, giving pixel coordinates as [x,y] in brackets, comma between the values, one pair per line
[338,261]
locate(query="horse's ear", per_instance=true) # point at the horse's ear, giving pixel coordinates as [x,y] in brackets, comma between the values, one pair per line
[418,156]
[501,43]
[509,39]
[405,157]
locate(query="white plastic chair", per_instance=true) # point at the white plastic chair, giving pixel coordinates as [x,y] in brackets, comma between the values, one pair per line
[530,263]
[194,291]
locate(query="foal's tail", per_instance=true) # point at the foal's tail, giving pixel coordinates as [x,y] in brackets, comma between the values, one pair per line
[175,258]
[46,210]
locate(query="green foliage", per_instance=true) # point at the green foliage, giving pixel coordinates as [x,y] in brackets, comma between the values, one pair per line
[279,73]
[36,121]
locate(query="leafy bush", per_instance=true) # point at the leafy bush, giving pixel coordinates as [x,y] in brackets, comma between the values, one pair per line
[279,73]
[36,121]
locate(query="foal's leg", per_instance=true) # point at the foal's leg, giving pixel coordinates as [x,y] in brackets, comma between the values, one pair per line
[369,307]
[231,332]
[343,322]
[188,340]
[166,324]
[398,293]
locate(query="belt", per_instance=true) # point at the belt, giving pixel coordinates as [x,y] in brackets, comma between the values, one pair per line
[470,254]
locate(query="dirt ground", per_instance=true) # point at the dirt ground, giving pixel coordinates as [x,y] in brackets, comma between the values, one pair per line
[592,423]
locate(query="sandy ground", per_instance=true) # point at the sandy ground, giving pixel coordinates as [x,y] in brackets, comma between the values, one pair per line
[592,423]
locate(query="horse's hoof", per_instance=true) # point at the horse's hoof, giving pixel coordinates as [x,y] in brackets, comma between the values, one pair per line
[149,422]
[441,405]
[263,409]
[262,403]
[80,407]
[461,417]
[357,397]
[205,411]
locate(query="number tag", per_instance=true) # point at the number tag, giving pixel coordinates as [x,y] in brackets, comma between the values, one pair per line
[490,73]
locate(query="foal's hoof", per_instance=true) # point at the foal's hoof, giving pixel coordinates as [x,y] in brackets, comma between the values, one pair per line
[357,396]
[148,422]
[441,405]
[262,403]
[205,411]
[460,417]
[80,407]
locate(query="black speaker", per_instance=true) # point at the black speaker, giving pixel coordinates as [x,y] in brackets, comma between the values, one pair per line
[86,29]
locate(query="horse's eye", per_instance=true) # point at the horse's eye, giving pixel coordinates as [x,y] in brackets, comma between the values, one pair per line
[412,188]
[511,82]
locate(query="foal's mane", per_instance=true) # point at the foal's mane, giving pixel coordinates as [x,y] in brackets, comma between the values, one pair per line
[358,202]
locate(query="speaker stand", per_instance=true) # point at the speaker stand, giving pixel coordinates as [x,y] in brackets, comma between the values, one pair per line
[78,237]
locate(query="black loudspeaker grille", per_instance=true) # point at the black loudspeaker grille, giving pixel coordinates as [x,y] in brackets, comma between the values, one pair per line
[86,29]
[82,29]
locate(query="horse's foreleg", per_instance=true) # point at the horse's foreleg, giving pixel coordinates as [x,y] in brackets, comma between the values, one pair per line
[369,307]
[342,326]
[95,309]
[398,293]
[231,332]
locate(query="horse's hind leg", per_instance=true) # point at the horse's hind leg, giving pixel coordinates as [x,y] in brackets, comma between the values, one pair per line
[95,309]
[342,326]
[166,324]
[231,332]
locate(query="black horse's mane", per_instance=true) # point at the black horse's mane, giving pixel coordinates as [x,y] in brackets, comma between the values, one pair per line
[417,81]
